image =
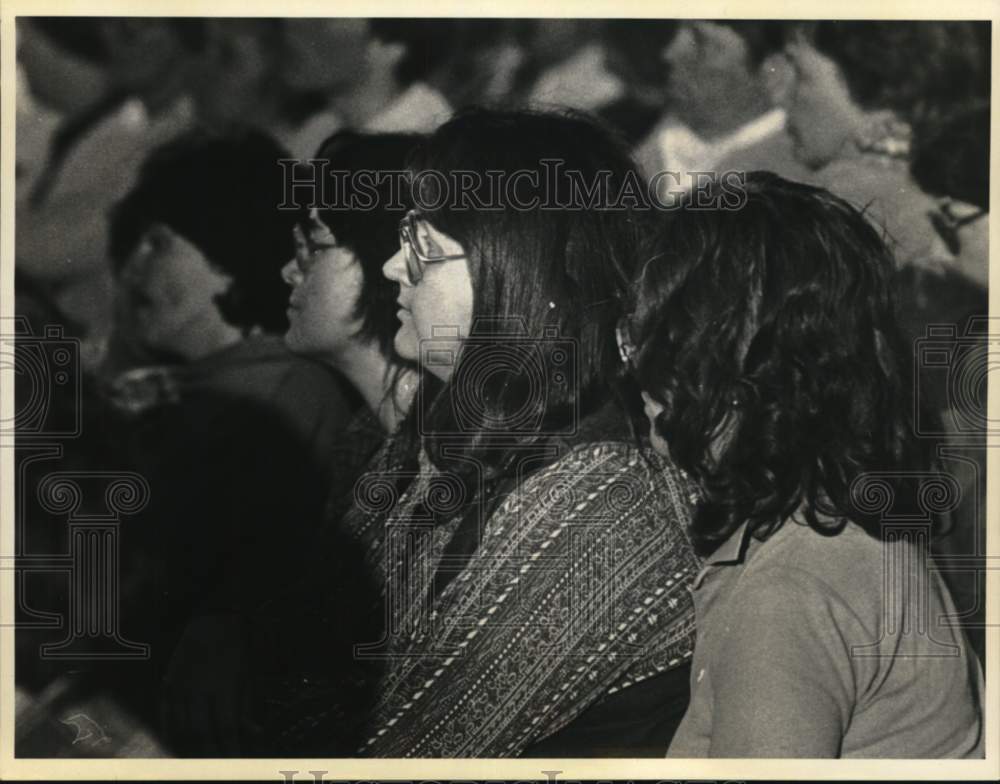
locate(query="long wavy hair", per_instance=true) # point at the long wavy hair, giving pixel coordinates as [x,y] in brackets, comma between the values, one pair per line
[549,286]
[769,335]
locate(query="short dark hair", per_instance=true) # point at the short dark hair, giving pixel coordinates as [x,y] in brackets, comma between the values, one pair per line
[371,234]
[918,69]
[763,37]
[561,272]
[953,158]
[785,329]
[221,192]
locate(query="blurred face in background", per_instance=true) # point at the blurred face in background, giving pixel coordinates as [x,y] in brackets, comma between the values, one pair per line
[168,289]
[709,74]
[326,280]
[823,119]
[437,306]
[240,56]
[149,59]
[325,54]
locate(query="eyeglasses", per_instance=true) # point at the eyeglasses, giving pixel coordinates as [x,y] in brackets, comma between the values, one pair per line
[418,249]
[947,224]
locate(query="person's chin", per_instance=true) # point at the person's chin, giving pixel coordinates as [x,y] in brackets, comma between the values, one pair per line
[405,344]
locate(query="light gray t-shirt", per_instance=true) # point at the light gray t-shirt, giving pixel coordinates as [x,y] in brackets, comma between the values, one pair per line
[818,646]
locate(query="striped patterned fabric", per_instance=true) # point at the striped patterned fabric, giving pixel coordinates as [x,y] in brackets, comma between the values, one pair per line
[579,588]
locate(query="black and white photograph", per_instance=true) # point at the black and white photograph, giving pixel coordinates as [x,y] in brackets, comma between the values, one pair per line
[478,387]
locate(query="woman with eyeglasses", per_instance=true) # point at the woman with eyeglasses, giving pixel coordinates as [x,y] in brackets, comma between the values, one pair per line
[341,309]
[531,552]
[341,312]
[305,697]
[775,375]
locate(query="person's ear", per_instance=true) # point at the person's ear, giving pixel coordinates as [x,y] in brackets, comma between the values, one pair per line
[778,76]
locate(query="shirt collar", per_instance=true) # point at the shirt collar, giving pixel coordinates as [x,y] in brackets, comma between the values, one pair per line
[682,150]
[418,109]
[731,551]
[755,131]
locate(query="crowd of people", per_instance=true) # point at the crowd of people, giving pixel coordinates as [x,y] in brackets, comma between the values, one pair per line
[437,481]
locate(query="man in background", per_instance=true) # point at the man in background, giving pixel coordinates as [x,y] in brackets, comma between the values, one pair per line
[725,82]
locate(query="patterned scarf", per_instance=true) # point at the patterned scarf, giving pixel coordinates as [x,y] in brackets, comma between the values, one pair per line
[579,587]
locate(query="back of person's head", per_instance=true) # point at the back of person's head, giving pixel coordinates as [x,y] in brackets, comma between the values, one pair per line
[768,333]
[221,193]
[916,69]
[549,273]
[366,164]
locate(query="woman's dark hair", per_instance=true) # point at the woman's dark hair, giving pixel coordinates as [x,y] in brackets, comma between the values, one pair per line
[769,335]
[921,70]
[365,164]
[222,194]
[549,284]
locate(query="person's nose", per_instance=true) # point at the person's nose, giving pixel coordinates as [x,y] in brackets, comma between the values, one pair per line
[395,268]
[291,273]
